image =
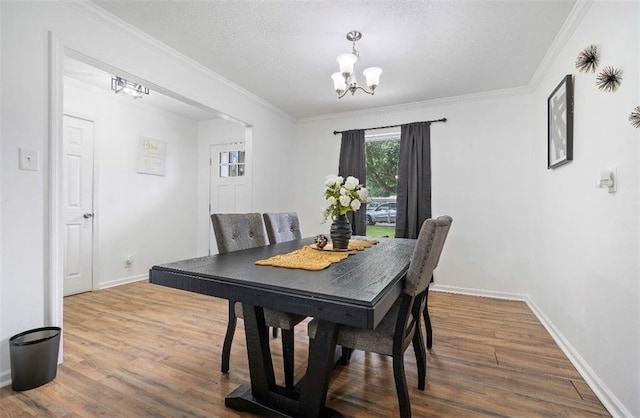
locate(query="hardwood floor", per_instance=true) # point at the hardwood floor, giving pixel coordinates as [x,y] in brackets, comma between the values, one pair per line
[144,350]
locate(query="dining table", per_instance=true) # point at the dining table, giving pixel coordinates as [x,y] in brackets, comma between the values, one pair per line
[357,291]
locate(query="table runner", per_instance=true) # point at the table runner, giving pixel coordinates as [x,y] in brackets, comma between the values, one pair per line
[307,258]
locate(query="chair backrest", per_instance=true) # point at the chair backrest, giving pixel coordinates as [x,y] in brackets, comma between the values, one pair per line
[282,227]
[426,255]
[238,231]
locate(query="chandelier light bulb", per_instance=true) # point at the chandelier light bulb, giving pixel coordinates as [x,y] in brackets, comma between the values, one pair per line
[338,82]
[347,63]
[372,74]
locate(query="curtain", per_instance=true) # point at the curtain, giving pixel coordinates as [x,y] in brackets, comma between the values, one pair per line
[414,179]
[352,163]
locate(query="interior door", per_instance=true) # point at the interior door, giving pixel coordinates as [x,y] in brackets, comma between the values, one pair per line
[77,201]
[229,185]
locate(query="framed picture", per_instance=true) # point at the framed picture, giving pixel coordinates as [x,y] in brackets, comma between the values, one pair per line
[152,156]
[560,124]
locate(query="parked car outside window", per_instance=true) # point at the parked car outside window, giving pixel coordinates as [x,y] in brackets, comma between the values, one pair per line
[384,213]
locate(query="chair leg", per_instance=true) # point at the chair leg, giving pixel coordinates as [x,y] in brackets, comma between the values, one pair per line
[427,320]
[421,357]
[346,355]
[228,338]
[401,385]
[274,332]
[287,357]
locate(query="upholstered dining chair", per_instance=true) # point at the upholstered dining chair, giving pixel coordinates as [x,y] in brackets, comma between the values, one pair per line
[282,227]
[401,325]
[241,231]
[425,312]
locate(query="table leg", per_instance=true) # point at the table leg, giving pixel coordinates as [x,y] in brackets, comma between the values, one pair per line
[258,352]
[315,385]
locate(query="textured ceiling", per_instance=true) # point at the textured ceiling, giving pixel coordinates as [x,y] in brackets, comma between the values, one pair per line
[284,51]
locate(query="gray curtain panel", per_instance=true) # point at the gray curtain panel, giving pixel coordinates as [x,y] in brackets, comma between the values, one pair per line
[414,179]
[352,163]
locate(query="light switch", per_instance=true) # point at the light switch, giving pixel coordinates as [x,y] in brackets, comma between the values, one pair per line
[28,159]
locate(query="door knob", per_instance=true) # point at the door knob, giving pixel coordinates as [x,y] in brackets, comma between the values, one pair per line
[88,215]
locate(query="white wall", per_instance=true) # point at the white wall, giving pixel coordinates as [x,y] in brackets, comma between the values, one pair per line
[4,350]
[152,218]
[82,27]
[479,161]
[585,241]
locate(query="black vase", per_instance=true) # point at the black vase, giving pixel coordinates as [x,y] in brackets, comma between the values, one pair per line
[340,232]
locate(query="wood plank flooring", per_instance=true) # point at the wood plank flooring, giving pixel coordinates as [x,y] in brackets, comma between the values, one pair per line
[144,350]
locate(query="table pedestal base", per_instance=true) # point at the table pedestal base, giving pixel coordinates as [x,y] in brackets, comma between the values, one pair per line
[241,399]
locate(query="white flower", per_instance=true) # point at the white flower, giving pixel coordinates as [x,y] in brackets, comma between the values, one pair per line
[342,196]
[351,183]
[330,180]
[345,200]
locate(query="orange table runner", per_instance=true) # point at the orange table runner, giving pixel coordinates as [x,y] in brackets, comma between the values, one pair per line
[308,258]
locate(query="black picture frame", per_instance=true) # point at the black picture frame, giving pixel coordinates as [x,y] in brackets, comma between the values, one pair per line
[560,124]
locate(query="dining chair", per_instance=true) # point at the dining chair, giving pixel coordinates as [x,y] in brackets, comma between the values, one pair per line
[241,231]
[401,325]
[282,227]
[425,312]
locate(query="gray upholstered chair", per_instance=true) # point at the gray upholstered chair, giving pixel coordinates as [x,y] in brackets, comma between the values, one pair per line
[241,231]
[401,325]
[282,227]
[425,312]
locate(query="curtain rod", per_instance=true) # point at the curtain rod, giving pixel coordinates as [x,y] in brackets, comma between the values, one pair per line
[392,126]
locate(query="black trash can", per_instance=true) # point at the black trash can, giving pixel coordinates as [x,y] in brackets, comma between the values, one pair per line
[34,357]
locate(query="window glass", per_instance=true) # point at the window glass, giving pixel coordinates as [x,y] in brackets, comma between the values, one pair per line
[231,164]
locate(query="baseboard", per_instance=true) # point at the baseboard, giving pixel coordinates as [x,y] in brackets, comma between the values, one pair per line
[123,280]
[608,399]
[5,378]
[477,292]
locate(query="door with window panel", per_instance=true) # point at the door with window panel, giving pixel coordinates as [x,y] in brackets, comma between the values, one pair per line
[229,184]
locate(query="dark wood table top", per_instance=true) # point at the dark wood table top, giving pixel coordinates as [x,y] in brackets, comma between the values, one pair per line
[357,291]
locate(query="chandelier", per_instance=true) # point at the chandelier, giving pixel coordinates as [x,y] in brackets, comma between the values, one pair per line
[134,90]
[345,80]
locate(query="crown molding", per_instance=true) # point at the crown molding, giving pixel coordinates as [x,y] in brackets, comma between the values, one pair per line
[577,13]
[95,12]
[403,107]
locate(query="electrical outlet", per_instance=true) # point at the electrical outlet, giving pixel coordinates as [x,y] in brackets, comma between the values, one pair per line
[128,262]
[28,159]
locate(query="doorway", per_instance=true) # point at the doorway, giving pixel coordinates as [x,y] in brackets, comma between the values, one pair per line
[59,267]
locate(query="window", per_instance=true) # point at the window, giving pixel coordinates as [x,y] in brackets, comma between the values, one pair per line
[381,154]
[231,164]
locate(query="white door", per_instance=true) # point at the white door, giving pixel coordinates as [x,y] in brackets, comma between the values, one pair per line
[77,202]
[229,190]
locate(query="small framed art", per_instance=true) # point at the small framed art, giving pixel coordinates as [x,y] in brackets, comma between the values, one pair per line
[560,124]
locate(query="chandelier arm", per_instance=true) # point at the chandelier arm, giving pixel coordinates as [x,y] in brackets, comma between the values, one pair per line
[341,95]
[365,90]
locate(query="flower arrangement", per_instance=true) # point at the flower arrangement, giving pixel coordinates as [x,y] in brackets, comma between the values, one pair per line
[343,195]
